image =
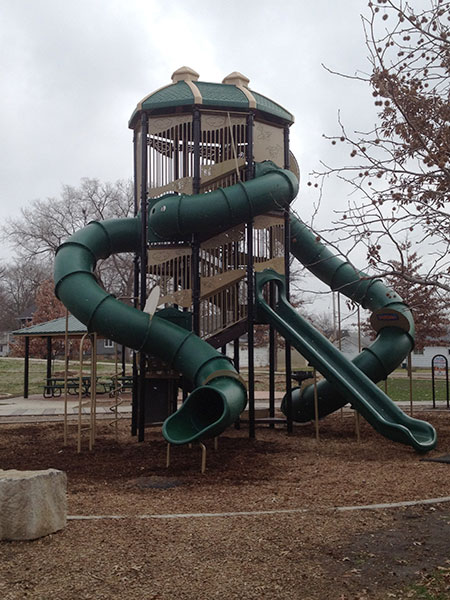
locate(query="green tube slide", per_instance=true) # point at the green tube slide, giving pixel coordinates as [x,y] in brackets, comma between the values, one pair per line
[219,395]
[391,318]
[345,377]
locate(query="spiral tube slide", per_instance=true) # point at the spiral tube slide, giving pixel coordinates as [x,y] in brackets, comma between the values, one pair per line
[344,376]
[391,318]
[219,395]
[174,217]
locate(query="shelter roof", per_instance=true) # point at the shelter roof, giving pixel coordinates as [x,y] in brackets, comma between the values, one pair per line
[54,328]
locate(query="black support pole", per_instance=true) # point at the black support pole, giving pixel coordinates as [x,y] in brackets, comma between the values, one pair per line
[272,361]
[26,370]
[250,290]
[250,332]
[287,254]
[195,278]
[134,391]
[143,271]
[49,359]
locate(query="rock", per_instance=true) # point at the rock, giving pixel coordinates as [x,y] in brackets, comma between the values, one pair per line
[32,503]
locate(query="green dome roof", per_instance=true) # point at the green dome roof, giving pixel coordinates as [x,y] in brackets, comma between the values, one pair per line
[232,94]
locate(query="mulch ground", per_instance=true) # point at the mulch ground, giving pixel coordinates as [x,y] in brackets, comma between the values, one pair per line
[320,553]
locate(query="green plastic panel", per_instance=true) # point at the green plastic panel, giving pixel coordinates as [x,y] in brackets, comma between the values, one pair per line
[178,94]
[217,94]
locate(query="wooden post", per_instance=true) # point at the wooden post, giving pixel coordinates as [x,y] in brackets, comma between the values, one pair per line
[316,405]
[66,368]
[411,410]
[203,447]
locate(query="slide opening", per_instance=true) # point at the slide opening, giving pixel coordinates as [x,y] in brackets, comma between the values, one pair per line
[207,405]
[200,412]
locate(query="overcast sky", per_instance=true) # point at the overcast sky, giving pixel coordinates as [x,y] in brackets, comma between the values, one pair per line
[73,72]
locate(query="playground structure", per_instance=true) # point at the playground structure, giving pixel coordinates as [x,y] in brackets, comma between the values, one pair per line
[213,233]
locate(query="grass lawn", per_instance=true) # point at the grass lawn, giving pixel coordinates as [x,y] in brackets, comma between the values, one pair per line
[12,373]
[11,379]
[398,390]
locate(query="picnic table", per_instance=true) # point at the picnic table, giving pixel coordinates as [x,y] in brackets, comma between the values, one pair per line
[122,382]
[54,386]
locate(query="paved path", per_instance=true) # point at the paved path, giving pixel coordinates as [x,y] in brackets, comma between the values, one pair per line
[38,408]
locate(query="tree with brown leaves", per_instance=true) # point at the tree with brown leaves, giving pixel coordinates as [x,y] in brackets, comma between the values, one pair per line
[400,170]
[432,322]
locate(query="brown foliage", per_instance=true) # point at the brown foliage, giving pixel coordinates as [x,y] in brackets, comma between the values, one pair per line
[431,320]
[401,168]
[48,307]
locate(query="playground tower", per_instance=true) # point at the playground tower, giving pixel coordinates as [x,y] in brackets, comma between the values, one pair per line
[212,236]
[193,137]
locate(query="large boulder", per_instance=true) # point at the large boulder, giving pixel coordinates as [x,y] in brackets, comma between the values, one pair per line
[32,503]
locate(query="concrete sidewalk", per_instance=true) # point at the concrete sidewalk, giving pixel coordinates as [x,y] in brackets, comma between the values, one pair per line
[38,408]
[36,405]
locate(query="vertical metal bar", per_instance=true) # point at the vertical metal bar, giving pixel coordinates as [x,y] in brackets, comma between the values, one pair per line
[26,369]
[236,362]
[250,287]
[359,329]
[195,284]
[250,332]
[66,368]
[272,343]
[272,367]
[143,270]
[249,149]
[196,125]
[49,359]
[287,253]
[446,382]
[288,362]
[93,391]
[433,383]
[117,392]
[80,391]
[134,394]
[203,465]
[411,410]
[316,405]
[357,426]
[339,320]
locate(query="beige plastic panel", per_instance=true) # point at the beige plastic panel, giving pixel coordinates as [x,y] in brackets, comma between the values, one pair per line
[181,297]
[236,234]
[159,124]
[266,221]
[277,264]
[217,283]
[182,186]
[211,122]
[157,256]
[208,287]
[268,143]
[214,172]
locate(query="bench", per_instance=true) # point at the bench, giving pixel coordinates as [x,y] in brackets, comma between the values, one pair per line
[55,386]
[124,382]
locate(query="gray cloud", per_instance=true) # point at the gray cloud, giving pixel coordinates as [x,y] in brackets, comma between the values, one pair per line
[72,74]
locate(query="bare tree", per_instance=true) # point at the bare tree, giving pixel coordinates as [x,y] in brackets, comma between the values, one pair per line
[42,227]
[18,286]
[400,170]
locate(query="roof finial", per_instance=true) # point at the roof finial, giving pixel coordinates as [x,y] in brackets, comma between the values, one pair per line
[185,74]
[236,78]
